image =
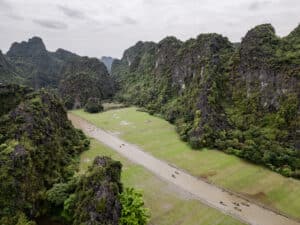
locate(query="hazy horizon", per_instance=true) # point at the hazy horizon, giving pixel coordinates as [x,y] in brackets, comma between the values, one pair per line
[108,28]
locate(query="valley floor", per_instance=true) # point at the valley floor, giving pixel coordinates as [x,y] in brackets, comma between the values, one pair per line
[159,138]
[213,196]
[171,206]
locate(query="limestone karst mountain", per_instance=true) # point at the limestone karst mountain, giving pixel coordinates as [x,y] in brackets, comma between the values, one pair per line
[31,64]
[243,99]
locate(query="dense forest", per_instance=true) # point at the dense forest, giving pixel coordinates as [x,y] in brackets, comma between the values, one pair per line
[39,151]
[241,98]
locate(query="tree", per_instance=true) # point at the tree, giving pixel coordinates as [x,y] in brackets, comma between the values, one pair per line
[133,210]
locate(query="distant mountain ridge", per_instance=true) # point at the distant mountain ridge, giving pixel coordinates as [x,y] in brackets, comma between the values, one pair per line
[38,67]
[30,63]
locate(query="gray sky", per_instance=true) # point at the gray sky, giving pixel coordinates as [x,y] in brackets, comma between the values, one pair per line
[108,27]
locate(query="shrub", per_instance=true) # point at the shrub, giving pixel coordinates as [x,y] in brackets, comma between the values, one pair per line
[58,193]
[93,105]
[194,142]
[286,171]
[133,210]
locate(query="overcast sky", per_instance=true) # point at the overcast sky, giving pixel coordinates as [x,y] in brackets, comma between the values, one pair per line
[108,27]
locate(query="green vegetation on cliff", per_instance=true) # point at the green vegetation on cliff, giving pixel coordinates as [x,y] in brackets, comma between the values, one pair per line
[38,147]
[96,198]
[39,151]
[243,100]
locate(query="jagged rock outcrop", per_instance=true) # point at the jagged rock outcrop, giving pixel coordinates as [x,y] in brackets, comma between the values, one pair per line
[243,98]
[265,100]
[38,146]
[203,63]
[34,63]
[258,70]
[33,47]
[97,194]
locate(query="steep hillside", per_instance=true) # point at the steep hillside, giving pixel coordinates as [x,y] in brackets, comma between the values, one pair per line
[76,78]
[243,99]
[265,100]
[38,146]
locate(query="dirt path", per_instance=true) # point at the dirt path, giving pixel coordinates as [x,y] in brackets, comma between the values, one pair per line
[207,193]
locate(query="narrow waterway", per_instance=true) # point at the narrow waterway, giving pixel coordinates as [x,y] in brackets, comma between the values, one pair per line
[209,194]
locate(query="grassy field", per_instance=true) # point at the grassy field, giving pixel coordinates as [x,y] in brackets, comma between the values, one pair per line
[160,139]
[168,206]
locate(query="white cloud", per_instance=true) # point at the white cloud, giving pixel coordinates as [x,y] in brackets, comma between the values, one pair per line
[97,28]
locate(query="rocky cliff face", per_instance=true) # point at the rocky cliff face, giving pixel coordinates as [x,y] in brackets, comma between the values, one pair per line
[259,70]
[33,47]
[267,69]
[219,94]
[265,99]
